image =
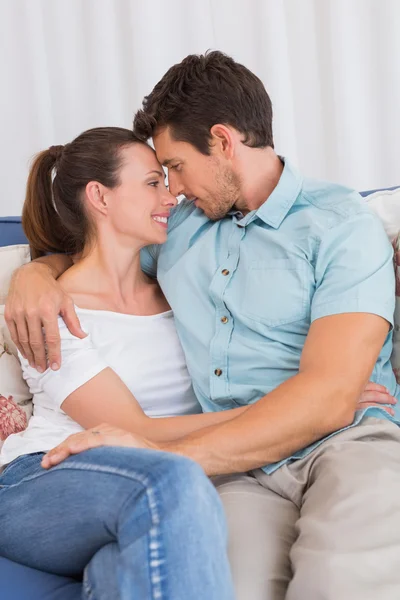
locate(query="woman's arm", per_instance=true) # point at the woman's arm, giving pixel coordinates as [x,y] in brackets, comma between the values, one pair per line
[106,435]
[106,399]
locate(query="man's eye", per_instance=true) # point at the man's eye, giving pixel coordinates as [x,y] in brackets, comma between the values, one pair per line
[176,167]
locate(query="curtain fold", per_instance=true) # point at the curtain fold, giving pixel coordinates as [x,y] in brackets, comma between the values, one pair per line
[332,68]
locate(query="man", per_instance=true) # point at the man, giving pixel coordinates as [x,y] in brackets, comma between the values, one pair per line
[283,293]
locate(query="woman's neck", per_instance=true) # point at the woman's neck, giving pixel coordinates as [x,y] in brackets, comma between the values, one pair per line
[111,276]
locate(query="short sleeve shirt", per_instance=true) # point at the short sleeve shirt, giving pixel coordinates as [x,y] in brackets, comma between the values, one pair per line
[245,289]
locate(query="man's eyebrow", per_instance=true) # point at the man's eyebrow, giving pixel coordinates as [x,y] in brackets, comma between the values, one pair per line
[168,161]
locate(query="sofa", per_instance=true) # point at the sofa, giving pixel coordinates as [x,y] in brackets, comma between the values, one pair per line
[22,583]
[18,582]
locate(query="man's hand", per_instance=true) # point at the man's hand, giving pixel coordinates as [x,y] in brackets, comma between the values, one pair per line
[376,395]
[33,304]
[104,435]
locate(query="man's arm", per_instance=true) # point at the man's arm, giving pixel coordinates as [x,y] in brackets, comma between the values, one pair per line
[34,301]
[56,263]
[337,360]
[351,309]
[263,436]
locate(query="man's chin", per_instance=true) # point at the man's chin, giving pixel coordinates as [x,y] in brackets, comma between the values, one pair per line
[210,214]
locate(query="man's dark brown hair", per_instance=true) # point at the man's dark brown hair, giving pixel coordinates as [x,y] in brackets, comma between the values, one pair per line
[204,90]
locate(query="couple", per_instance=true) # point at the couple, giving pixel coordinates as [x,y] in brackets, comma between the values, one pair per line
[282,292]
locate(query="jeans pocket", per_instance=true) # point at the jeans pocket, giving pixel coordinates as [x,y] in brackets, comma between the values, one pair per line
[20,468]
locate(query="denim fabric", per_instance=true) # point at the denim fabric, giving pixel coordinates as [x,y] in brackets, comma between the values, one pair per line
[19,582]
[139,523]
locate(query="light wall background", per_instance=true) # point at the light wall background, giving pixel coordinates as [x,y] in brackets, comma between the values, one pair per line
[332,68]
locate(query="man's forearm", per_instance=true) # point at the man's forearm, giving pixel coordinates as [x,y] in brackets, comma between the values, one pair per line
[167,429]
[297,413]
[57,263]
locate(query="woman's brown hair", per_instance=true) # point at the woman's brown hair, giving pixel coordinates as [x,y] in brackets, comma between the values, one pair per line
[54,217]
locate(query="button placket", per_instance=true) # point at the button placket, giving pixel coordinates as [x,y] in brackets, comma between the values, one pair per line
[219,347]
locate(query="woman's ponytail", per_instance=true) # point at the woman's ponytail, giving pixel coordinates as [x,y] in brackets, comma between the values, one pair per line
[40,220]
[55,216]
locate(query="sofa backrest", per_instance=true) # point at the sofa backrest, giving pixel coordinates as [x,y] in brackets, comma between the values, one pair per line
[11,231]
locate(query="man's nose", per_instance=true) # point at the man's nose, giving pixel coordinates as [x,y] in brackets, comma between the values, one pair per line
[175,185]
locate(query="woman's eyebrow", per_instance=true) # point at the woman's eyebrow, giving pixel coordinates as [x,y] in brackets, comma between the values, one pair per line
[160,173]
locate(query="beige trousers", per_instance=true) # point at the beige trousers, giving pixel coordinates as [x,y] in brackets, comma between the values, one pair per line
[326,527]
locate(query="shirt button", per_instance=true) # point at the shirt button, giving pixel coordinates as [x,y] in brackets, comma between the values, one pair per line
[224,320]
[218,372]
[225,272]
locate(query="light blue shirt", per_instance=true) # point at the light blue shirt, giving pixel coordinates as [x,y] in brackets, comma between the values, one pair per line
[245,289]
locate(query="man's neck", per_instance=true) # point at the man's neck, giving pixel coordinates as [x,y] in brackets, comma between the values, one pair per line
[261,170]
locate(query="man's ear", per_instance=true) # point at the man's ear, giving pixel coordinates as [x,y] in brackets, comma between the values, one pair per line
[96,196]
[222,139]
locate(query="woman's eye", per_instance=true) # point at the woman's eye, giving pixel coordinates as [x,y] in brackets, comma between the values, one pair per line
[154,183]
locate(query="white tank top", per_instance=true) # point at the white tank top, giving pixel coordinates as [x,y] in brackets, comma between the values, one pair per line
[144,351]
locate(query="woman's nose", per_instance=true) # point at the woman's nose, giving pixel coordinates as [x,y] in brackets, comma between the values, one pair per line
[169,199]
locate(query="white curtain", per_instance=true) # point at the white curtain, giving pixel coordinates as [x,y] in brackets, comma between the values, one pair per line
[332,68]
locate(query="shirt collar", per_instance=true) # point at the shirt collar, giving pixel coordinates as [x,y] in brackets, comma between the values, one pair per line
[278,204]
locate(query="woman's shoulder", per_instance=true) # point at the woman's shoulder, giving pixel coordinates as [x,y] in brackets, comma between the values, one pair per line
[77,282]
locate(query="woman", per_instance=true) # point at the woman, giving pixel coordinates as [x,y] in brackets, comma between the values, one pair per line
[139,523]
[135,507]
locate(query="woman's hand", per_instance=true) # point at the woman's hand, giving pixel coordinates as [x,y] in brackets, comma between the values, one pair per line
[33,304]
[376,395]
[104,435]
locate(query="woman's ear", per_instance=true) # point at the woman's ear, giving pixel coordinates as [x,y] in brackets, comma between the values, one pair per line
[96,196]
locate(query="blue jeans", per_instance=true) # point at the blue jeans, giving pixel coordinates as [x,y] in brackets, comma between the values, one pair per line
[137,523]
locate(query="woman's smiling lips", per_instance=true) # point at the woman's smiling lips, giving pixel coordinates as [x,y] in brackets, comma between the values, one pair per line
[162,219]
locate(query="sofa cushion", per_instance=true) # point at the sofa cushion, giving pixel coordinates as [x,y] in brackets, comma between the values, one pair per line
[386,204]
[11,257]
[396,331]
[15,398]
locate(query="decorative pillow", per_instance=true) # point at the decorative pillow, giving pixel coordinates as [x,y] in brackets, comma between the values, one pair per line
[396,331]
[15,398]
[386,204]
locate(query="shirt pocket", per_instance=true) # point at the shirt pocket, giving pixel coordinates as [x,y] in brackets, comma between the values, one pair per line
[275,292]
